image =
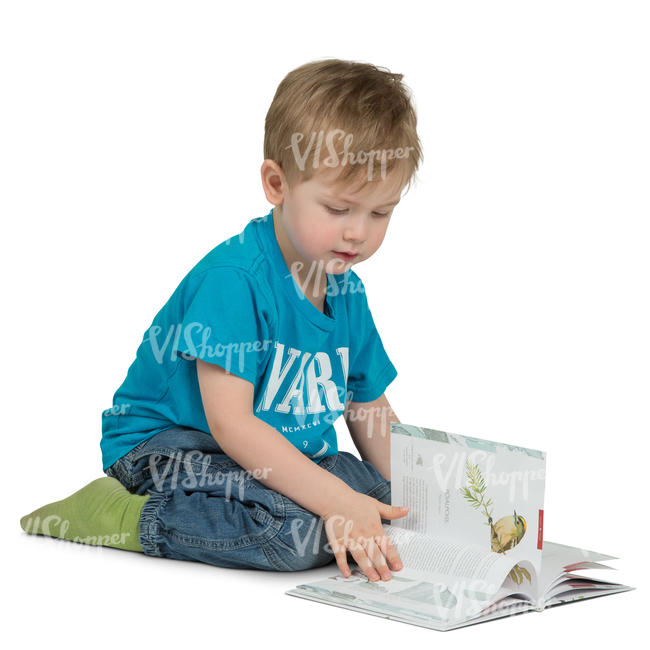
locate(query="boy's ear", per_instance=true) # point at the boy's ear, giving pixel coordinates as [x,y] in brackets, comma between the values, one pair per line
[274,182]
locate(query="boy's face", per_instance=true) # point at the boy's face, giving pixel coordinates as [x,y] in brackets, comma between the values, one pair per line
[320,219]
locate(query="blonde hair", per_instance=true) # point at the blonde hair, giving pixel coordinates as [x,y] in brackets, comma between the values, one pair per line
[342,100]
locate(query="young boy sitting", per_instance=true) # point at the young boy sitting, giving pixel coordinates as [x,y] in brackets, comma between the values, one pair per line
[220,445]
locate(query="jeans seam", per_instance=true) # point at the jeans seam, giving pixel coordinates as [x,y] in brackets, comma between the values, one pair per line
[381,489]
[148,528]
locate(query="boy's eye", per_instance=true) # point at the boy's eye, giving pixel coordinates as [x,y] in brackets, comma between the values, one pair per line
[339,211]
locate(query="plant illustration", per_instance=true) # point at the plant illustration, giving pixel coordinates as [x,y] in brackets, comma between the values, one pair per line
[507,532]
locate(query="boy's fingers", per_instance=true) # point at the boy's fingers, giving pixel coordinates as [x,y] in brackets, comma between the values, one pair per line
[377,557]
[392,556]
[342,563]
[361,558]
[340,555]
[392,512]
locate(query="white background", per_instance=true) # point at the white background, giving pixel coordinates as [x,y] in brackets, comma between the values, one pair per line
[511,291]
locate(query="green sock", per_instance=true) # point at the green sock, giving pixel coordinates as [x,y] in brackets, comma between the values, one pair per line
[104,513]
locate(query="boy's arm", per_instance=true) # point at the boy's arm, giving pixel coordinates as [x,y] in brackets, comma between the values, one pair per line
[369,425]
[255,445]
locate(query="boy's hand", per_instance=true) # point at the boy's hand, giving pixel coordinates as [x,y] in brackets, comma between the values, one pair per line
[354,524]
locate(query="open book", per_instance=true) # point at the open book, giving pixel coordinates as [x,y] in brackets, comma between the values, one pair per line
[471,544]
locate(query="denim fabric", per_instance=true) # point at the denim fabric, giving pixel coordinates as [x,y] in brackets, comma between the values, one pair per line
[204,507]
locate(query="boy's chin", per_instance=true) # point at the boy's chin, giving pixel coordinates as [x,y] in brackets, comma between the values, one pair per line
[338,266]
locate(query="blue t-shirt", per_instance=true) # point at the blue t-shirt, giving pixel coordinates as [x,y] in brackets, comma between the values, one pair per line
[240,308]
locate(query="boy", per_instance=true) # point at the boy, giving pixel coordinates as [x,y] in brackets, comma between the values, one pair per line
[220,445]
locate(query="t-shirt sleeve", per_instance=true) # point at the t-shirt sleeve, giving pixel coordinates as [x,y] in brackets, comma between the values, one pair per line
[226,321]
[371,370]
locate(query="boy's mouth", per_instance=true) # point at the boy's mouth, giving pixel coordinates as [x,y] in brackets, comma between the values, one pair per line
[346,256]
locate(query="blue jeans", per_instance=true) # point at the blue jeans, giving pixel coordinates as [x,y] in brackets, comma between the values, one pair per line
[204,507]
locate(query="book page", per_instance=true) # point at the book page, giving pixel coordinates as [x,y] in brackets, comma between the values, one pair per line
[559,559]
[410,596]
[558,583]
[583,594]
[469,490]
[448,560]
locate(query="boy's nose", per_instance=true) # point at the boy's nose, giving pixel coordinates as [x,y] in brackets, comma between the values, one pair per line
[355,232]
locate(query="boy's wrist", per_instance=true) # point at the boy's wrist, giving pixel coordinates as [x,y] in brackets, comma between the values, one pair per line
[335,493]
